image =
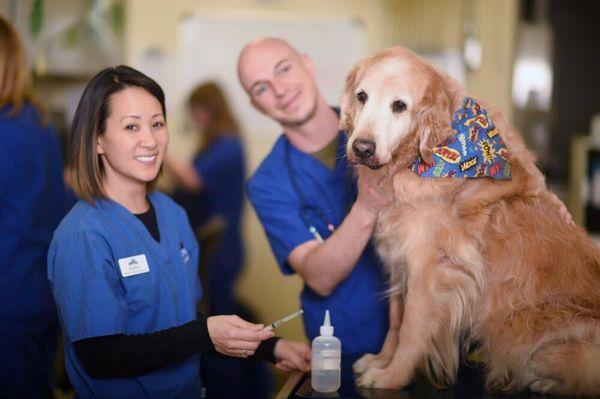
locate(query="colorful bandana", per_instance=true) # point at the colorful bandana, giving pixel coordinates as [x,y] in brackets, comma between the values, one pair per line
[475,150]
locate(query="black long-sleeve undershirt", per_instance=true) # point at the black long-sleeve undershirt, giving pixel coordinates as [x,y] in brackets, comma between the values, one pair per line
[125,356]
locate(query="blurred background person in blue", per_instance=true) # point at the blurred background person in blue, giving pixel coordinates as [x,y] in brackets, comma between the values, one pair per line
[32,203]
[211,190]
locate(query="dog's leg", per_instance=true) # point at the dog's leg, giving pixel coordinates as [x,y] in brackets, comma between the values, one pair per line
[567,368]
[437,302]
[421,314]
[391,340]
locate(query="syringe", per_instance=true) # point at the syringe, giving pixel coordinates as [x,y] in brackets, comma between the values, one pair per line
[277,323]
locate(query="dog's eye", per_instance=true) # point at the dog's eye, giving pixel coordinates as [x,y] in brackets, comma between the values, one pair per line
[398,106]
[361,96]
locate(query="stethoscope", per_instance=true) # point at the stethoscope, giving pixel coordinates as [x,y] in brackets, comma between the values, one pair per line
[304,206]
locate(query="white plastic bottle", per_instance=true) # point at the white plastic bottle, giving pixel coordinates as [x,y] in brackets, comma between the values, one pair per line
[326,359]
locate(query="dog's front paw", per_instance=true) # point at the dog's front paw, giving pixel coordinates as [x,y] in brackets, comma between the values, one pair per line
[363,363]
[545,386]
[377,378]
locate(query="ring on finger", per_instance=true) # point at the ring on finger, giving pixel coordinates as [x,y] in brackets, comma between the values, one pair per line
[244,353]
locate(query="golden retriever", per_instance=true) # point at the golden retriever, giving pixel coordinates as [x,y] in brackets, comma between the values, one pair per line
[470,260]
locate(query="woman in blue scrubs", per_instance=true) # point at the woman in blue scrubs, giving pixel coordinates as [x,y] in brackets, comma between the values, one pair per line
[123,262]
[32,198]
[215,182]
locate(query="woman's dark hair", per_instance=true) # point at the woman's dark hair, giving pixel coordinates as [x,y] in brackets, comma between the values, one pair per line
[90,122]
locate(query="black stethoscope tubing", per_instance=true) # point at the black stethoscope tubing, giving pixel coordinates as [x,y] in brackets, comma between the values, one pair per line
[304,206]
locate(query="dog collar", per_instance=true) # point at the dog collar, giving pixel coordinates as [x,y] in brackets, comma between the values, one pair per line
[475,150]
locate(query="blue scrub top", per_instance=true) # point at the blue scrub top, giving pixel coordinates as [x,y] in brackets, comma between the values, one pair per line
[223,171]
[222,167]
[32,203]
[98,292]
[358,307]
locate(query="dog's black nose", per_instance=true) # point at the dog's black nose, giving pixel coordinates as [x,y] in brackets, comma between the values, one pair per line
[363,149]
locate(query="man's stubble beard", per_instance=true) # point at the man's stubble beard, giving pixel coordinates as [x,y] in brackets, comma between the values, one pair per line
[294,124]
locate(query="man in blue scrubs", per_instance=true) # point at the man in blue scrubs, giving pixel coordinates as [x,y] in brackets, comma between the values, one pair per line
[318,220]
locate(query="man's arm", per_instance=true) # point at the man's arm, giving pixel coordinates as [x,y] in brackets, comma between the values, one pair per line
[324,265]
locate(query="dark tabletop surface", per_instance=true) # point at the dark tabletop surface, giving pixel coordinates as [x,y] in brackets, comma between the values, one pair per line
[469,385]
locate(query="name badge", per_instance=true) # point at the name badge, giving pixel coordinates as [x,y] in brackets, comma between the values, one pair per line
[133,265]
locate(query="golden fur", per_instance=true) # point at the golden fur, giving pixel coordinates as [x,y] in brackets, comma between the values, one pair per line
[490,259]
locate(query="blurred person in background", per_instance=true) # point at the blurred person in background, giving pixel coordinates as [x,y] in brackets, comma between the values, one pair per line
[211,190]
[32,203]
[212,186]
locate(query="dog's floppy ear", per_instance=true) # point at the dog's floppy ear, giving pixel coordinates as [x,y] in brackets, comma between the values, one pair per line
[347,102]
[432,119]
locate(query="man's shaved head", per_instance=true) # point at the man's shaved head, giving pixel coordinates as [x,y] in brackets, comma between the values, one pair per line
[279,80]
[256,48]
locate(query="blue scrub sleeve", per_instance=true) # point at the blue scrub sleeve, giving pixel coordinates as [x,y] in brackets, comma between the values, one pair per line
[223,158]
[280,218]
[87,286]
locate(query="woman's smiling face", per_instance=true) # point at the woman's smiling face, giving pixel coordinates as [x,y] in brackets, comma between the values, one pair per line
[133,145]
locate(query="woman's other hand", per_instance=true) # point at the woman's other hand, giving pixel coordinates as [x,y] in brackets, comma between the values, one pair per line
[291,355]
[233,336]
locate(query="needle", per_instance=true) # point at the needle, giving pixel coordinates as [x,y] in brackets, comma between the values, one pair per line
[277,323]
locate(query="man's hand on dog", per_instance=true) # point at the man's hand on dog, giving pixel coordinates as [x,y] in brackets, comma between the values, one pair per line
[373,194]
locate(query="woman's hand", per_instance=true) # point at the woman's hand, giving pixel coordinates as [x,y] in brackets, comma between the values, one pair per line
[291,355]
[233,336]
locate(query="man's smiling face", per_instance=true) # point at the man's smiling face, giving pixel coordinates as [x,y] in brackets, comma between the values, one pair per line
[279,81]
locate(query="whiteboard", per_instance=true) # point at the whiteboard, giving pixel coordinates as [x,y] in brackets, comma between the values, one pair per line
[208,48]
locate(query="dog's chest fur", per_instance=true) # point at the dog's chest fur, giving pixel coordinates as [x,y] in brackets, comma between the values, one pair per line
[424,223]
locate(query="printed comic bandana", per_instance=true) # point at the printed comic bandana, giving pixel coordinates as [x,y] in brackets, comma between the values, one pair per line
[475,150]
